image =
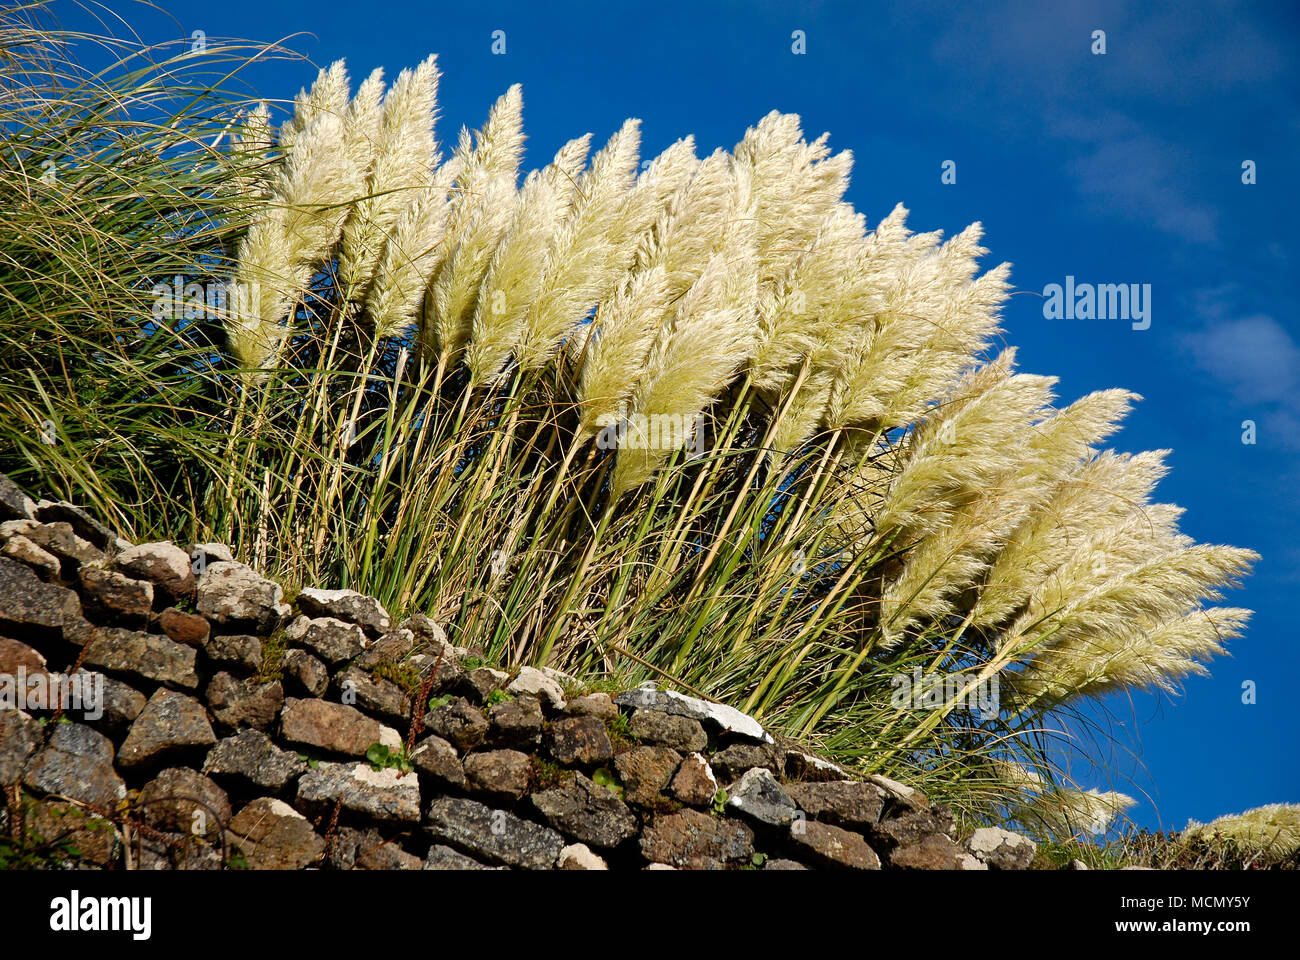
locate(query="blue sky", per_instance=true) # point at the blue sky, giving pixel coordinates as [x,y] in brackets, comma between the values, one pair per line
[1123,167]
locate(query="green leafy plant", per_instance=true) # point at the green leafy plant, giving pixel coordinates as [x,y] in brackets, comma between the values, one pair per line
[382,757]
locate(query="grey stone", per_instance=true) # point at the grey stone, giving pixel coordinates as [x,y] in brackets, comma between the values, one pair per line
[579,740]
[497,836]
[20,735]
[179,800]
[332,640]
[335,727]
[459,723]
[934,852]
[645,772]
[719,717]
[758,798]
[77,763]
[120,704]
[535,683]
[303,673]
[668,730]
[274,836]
[385,794]
[691,840]
[240,703]
[14,504]
[376,695]
[45,564]
[82,523]
[171,724]
[832,847]
[598,705]
[516,723]
[250,758]
[236,599]
[1002,849]
[347,605]
[585,811]
[732,763]
[234,650]
[579,856]
[435,758]
[443,857]
[163,564]
[37,610]
[853,804]
[144,655]
[111,597]
[501,776]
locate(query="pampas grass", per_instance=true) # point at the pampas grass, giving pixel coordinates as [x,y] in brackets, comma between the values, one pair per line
[414,392]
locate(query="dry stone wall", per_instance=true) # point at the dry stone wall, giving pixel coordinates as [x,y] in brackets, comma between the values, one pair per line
[166,708]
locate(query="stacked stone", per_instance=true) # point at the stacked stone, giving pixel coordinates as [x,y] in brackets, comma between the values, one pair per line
[237,729]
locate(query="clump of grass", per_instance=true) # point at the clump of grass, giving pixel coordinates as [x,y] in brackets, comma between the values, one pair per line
[274,648]
[696,424]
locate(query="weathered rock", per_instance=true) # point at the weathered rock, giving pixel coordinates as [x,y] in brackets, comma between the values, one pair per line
[516,724]
[694,783]
[783,864]
[303,673]
[250,759]
[83,524]
[45,564]
[33,609]
[77,763]
[385,856]
[20,735]
[15,655]
[533,682]
[463,725]
[274,836]
[204,555]
[163,564]
[111,597]
[853,804]
[692,840]
[901,797]
[579,740]
[392,647]
[935,852]
[668,730]
[58,539]
[496,836]
[804,766]
[645,772]
[240,703]
[179,851]
[335,727]
[236,599]
[443,857]
[479,683]
[179,800]
[187,628]
[170,725]
[376,695]
[832,847]
[501,776]
[1002,849]
[234,650]
[585,811]
[719,717]
[14,504]
[733,762]
[598,705]
[118,704]
[348,606]
[910,826]
[144,655]
[386,794]
[435,758]
[332,640]
[579,856]
[759,799]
